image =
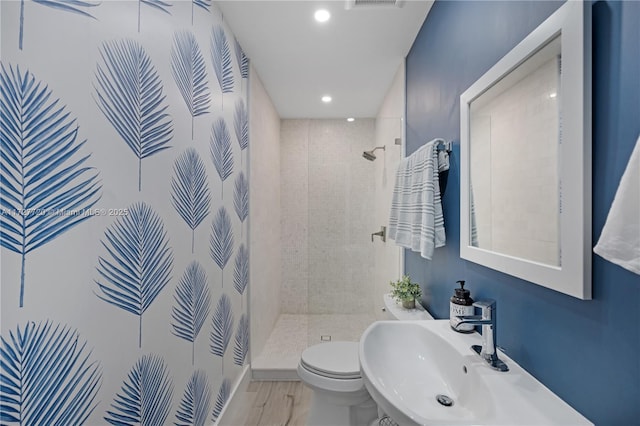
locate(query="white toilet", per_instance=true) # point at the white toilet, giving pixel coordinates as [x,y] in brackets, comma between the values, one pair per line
[332,371]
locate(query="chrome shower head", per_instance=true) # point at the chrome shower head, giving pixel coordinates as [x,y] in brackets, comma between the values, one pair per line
[369,155]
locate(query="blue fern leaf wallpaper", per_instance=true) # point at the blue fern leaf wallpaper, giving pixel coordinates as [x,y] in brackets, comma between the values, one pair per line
[243,61]
[241,269]
[75,6]
[196,401]
[48,186]
[222,327]
[223,396]
[145,396]
[46,376]
[190,74]
[192,304]
[130,95]
[203,4]
[138,261]
[241,125]
[241,348]
[241,197]
[124,265]
[190,193]
[221,241]
[156,4]
[221,152]
[221,58]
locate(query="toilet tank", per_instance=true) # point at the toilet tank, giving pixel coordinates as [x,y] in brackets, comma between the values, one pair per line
[393,310]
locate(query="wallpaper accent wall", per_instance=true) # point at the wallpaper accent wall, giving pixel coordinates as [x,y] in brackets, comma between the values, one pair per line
[124,205]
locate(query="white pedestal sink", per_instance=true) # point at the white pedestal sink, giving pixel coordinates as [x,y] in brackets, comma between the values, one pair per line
[413,369]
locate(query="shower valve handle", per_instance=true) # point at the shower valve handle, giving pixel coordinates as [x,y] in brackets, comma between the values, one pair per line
[382,234]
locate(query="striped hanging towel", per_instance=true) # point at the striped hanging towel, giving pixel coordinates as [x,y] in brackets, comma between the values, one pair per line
[416,221]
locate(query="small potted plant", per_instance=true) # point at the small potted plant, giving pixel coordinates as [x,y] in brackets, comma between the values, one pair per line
[406,292]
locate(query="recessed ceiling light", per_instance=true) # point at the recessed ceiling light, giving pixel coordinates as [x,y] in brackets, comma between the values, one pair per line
[553,95]
[326,99]
[322,15]
[350,119]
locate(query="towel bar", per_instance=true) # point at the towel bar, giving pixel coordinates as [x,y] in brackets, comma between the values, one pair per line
[444,146]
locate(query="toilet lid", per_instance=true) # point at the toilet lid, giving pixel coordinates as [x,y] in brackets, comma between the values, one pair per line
[339,360]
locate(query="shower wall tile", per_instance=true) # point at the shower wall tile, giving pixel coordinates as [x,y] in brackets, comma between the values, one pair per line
[340,222]
[265,241]
[294,152]
[327,202]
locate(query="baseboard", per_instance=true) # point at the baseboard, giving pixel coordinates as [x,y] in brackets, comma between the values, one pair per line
[235,398]
[275,374]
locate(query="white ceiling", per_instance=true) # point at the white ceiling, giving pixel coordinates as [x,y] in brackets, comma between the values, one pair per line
[353,57]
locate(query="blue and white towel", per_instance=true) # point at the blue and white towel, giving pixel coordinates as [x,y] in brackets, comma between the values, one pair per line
[416,221]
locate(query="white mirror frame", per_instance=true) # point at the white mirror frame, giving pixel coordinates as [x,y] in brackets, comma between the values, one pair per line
[572,21]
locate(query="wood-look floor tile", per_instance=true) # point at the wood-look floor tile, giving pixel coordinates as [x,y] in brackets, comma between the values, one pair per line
[274,404]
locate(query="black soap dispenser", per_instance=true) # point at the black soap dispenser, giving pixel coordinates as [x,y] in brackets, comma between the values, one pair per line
[461,305]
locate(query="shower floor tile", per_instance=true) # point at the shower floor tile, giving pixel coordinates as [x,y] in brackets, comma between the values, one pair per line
[294,333]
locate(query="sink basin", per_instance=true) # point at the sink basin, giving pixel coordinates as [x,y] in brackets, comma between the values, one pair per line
[424,373]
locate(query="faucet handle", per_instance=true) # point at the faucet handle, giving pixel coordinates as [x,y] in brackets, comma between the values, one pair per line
[488,306]
[485,304]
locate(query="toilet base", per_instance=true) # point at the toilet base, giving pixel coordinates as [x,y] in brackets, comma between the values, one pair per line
[324,412]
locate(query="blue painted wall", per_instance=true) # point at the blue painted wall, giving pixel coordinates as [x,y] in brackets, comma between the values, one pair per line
[587,352]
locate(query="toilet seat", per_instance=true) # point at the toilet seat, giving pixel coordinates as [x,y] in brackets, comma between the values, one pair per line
[335,360]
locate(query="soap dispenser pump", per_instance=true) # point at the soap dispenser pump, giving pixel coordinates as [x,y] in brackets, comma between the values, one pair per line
[461,305]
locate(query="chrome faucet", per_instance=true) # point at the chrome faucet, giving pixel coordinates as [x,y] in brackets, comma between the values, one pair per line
[487,320]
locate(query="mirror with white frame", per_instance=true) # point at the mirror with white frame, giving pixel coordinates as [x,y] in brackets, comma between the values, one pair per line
[525,135]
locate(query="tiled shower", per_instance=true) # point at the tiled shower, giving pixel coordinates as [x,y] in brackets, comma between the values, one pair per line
[327,200]
[333,272]
[327,196]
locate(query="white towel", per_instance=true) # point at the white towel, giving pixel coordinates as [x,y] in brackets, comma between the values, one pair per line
[619,242]
[416,221]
